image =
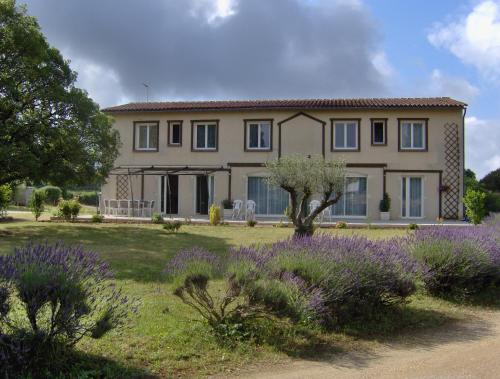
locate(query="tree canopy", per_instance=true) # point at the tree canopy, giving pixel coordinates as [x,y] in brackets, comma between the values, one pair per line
[304,177]
[50,130]
[492,181]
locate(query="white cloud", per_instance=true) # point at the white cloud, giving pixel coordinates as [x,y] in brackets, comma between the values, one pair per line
[457,88]
[213,11]
[482,154]
[102,83]
[474,38]
[382,65]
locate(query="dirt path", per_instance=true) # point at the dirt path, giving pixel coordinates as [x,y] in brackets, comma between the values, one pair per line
[469,349]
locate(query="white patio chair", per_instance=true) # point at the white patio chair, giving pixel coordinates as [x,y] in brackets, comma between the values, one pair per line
[146,206]
[250,210]
[237,205]
[113,207]
[123,207]
[133,209]
[106,207]
[151,207]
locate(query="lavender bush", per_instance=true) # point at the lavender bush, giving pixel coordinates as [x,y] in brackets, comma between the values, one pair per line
[458,261]
[53,295]
[226,311]
[325,279]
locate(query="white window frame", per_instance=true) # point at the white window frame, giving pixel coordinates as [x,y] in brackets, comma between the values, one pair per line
[259,124]
[422,197]
[344,124]
[412,142]
[384,128]
[206,124]
[343,199]
[149,125]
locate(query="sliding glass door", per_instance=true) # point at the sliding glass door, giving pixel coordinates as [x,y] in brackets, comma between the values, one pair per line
[411,197]
[269,200]
[353,201]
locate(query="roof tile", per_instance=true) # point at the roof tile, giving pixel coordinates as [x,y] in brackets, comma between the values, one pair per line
[228,105]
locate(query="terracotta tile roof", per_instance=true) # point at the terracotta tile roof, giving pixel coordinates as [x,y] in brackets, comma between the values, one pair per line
[228,105]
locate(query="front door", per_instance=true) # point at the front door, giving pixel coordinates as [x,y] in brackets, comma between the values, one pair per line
[170,194]
[204,193]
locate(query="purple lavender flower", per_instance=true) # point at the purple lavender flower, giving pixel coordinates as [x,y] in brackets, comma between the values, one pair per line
[186,259]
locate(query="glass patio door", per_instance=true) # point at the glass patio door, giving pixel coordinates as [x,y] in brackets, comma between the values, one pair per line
[411,197]
[269,200]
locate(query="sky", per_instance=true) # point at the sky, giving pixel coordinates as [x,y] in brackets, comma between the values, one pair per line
[268,49]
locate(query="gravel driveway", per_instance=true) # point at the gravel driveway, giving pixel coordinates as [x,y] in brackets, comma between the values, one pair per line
[468,349]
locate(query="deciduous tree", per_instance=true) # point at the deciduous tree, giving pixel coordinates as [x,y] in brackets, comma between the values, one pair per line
[50,130]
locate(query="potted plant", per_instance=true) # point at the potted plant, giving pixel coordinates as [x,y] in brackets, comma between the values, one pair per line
[227,204]
[385,207]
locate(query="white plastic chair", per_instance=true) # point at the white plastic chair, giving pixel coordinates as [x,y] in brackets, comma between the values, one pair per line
[151,207]
[113,207]
[123,207]
[146,206]
[133,208]
[250,210]
[237,205]
[106,207]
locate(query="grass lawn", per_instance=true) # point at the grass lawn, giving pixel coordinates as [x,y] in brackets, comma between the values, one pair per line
[165,338]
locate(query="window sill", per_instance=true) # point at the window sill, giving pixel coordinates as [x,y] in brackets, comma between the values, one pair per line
[145,150]
[210,150]
[258,150]
[346,149]
[406,149]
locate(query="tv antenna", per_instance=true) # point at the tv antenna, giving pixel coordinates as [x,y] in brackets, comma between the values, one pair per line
[146,86]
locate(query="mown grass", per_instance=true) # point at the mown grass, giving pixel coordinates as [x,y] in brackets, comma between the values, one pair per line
[166,338]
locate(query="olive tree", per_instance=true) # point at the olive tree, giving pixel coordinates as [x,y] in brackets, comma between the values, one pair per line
[303,177]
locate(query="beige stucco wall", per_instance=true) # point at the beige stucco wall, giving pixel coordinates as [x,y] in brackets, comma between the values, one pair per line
[301,135]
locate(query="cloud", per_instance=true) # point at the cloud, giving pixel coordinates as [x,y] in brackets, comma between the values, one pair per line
[457,88]
[481,136]
[218,49]
[473,38]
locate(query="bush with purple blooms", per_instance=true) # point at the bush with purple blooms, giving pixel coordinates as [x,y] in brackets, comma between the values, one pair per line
[324,279]
[226,311]
[51,296]
[458,261]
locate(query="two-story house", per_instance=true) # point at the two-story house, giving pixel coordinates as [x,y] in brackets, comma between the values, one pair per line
[187,155]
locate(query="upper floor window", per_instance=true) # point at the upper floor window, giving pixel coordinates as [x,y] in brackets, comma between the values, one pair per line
[205,135]
[345,134]
[258,135]
[175,133]
[413,135]
[379,131]
[146,135]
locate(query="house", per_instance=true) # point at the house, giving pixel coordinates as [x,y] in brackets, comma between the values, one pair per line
[188,155]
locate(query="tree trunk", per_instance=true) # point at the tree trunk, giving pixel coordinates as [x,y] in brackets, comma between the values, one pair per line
[304,230]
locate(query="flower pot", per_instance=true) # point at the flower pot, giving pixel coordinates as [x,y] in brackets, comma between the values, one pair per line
[385,216]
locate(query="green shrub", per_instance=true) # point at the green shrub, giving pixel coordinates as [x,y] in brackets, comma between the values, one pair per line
[85,197]
[172,226]
[51,296]
[69,209]
[251,223]
[341,225]
[98,218]
[492,202]
[475,205]
[385,203]
[214,215]
[457,262]
[5,198]
[157,218]
[36,203]
[227,204]
[52,194]
[413,226]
